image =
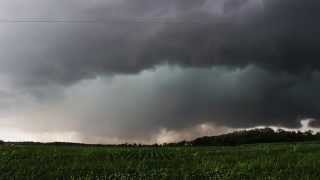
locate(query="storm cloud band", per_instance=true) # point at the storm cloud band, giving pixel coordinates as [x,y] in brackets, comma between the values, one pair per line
[233,63]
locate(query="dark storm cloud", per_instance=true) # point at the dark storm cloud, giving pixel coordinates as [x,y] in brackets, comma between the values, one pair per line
[278,35]
[241,63]
[245,97]
[130,41]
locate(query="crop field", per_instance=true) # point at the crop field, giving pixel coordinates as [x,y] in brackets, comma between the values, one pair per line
[260,161]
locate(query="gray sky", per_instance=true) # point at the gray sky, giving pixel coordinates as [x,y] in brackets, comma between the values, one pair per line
[155,71]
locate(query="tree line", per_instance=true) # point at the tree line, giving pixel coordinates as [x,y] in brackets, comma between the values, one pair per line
[265,135]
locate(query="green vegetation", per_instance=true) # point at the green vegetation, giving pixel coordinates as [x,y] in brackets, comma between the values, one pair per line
[256,161]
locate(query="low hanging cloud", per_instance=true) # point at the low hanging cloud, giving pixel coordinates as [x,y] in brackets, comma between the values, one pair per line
[143,65]
[174,99]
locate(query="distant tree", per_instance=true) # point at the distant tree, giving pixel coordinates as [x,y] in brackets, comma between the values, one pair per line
[308,133]
[266,135]
[155,145]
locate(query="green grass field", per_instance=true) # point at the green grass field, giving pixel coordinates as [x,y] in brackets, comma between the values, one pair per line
[261,161]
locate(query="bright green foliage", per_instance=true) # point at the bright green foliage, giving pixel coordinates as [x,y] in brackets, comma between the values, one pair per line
[262,161]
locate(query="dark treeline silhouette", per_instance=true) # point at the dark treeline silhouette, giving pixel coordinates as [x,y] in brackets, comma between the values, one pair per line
[266,135]
[253,136]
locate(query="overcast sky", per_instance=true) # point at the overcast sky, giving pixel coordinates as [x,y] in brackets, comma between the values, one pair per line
[112,71]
